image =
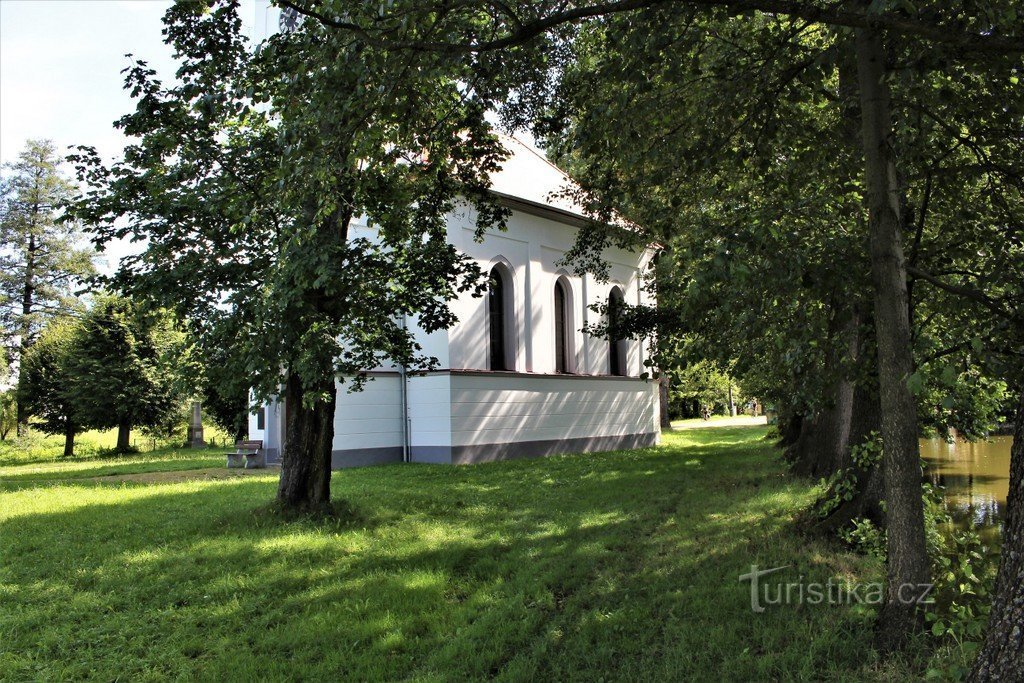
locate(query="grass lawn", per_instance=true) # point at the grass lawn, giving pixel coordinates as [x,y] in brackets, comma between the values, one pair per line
[38,447]
[616,566]
[740,420]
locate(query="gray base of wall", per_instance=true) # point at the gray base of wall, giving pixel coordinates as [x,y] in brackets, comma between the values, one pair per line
[356,457]
[467,455]
[361,457]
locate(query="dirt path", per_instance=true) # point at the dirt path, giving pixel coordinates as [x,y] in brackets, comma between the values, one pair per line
[173,477]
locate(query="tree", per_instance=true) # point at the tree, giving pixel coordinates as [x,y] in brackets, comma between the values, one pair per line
[1002,651]
[225,390]
[720,157]
[245,179]
[930,36]
[226,401]
[702,382]
[882,31]
[41,256]
[8,413]
[122,371]
[47,379]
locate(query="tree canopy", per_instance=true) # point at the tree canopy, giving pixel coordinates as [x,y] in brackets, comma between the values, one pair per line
[123,370]
[46,390]
[246,178]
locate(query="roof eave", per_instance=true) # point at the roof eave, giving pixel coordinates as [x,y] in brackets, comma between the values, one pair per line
[542,210]
[553,213]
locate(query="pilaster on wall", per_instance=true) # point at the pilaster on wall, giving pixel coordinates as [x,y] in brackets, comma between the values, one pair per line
[430,418]
[272,434]
[533,304]
[585,310]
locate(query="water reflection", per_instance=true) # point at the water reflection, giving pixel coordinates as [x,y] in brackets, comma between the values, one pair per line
[976,478]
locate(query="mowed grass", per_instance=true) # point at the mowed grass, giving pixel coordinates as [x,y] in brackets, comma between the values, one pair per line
[37,447]
[615,566]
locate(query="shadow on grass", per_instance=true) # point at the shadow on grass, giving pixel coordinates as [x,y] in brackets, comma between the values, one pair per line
[74,468]
[621,565]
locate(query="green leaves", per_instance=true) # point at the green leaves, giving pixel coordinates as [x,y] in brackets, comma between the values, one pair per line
[126,366]
[45,387]
[915,383]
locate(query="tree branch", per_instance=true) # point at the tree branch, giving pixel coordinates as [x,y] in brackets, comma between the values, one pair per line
[971,293]
[832,16]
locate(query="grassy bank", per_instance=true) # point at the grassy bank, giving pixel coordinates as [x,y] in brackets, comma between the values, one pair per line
[614,566]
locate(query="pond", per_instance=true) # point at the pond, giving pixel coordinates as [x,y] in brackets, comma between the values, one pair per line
[976,478]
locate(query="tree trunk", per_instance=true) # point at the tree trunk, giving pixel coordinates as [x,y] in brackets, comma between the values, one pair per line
[123,437]
[906,550]
[824,442]
[824,438]
[309,436]
[666,419]
[22,416]
[842,418]
[1001,657]
[790,424]
[732,403]
[27,300]
[69,441]
[867,501]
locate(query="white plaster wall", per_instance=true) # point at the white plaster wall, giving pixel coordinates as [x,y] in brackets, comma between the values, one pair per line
[488,409]
[254,432]
[468,346]
[435,344]
[371,418]
[533,247]
[446,411]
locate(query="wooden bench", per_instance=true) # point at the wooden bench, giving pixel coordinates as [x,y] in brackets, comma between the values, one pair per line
[248,454]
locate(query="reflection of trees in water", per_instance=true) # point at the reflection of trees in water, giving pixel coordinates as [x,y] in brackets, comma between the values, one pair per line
[973,477]
[970,509]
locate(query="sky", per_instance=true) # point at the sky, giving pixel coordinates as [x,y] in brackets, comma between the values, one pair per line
[60,71]
[60,63]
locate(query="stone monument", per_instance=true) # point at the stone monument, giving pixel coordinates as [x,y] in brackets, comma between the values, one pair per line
[195,428]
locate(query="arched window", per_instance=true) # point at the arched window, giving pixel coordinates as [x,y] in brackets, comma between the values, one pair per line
[564,351]
[498,307]
[616,345]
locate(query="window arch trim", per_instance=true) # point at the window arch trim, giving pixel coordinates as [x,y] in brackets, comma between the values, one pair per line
[506,361]
[564,323]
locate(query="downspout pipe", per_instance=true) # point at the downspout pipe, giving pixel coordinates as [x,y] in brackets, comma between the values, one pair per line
[403,379]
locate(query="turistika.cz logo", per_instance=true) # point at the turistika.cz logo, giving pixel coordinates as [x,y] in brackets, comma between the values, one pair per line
[831,592]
